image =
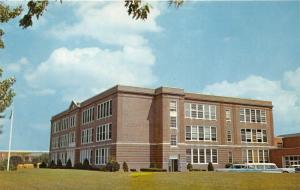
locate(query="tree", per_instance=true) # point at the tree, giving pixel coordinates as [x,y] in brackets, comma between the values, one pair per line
[42,158]
[59,164]
[86,164]
[135,8]
[210,167]
[6,93]
[69,164]
[125,167]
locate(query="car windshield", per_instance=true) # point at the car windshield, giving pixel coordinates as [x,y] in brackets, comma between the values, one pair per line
[270,167]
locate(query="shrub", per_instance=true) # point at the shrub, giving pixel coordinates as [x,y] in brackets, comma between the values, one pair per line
[133,170]
[3,165]
[189,167]
[86,164]
[69,164]
[210,167]
[78,166]
[228,165]
[125,167]
[43,165]
[52,164]
[152,170]
[59,164]
[112,166]
[102,168]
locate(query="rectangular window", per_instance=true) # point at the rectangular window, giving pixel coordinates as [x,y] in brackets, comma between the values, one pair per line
[229,139]
[206,111]
[230,157]
[213,134]
[228,115]
[200,111]
[214,155]
[247,111]
[88,115]
[258,135]
[250,158]
[208,155]
[104,132]
[207,136]
[173,122]
[188,133]
[212,109]
[263,116]
[266,156]
[173,140]
[201,133]
[261,156]
[194,111]
[194,132]
[242,115]
[243,135]
[253,135]
[188,155]
[202,156]
[248,135]
[195,156]
[104,109]
[253,116]
[101,156]
[264,135]
[87,136]
[173,106]
[187,109]
[258,120]
[85,154]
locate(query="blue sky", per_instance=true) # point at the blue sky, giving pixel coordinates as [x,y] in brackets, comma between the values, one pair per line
[76,50]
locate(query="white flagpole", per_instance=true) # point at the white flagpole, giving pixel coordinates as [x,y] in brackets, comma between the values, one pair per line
[10,137]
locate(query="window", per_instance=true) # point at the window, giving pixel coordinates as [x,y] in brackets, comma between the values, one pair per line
[200,111]
[194,132]
[72,138]
[188,133]
[202,155]
[88,115]
[250,156]
[173,106]
[173,122]
[104,132]
[291,160]
[188,155]
[254,135]
[87,136]
[253,115]
[243,135]
[72,121]
[227,115]
[104,109]
[264,135]
[206,133]
[85,154]
[248,135]
[173,140]
[102,156]
[230,157]
[259,136]
[187,109]
[256,155]
[229,139]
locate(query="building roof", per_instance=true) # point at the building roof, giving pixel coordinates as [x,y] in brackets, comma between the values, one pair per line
[290,135]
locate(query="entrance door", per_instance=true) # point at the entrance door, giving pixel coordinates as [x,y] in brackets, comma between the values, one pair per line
[173,165]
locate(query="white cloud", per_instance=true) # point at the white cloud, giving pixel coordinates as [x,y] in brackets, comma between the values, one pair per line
[18,66]
[292,79]
[108,23]
[286,101]
[80,73]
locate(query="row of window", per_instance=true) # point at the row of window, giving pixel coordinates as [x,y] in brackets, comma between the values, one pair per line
[102,155]
[292,160]
[66,140]
[254,135]
[255,156]
[87,136]
[252,115]
[63,157]
[202,156]
[200,133]
[88,115]
[103,132]
[200,111]
[63,124]
[104,110]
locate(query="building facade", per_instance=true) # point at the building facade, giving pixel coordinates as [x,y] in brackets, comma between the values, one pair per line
[164,127]
[288,151]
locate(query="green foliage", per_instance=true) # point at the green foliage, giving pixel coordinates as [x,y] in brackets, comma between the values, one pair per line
[78,166]
[14,161]
[52,164]
[6,92]
[86,164]
[69,164]
[152,170]
[43,165]
[125,167]
[59,164]
[112,166]
[210,167]
[136,9]
[189,166]
[42,158]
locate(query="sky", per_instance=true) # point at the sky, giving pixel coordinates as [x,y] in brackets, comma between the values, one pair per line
[245,49]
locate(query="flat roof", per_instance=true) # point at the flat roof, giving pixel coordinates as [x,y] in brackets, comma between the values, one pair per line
[290,135]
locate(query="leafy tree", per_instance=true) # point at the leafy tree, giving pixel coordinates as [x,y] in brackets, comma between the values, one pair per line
[86,164]
[59,164]
[189,167]
[112,166]
[6,93]
[135,8]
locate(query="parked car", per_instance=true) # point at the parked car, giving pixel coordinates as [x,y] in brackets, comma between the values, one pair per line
[297,168]
[253,167]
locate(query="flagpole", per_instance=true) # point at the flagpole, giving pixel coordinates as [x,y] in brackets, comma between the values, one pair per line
[10,137]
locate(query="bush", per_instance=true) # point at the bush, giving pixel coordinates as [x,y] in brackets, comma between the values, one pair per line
[86,164]
[102,168]
[78,166]
[59,164]
[210,167]
[189,167]
[69,164]
[152,170]
[43,165]
[133,170]
[125,167]
[3,165]
[228,165]
[112,166]
[52,164]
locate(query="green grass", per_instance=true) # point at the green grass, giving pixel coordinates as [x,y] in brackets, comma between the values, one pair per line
[49,179]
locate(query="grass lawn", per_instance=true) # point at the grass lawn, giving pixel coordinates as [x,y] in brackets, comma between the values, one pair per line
[59,179]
